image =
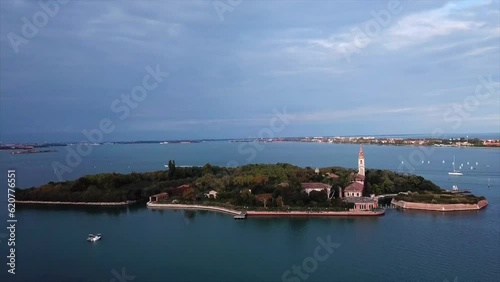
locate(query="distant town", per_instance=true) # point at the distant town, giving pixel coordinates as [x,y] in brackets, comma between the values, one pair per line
[393,141]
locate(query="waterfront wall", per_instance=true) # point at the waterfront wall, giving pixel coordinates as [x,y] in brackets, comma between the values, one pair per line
[265,213]
[192,207]
[315,214]
[440,207]
[77,203]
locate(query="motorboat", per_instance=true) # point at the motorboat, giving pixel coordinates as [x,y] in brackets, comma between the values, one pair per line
[93,238]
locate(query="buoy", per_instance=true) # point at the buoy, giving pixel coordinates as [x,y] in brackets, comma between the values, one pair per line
[443,161]
[467,163]
[428,162]
[476,163]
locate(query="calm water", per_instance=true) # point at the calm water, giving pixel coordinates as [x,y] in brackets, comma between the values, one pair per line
[203,246]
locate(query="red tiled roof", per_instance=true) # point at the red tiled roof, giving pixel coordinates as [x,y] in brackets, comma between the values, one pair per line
[354,187]
[182,187]
[315,185]
[165,194]
[361,154]
[333,175]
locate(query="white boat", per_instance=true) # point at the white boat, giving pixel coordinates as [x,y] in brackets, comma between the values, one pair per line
[455,172]
[93,238]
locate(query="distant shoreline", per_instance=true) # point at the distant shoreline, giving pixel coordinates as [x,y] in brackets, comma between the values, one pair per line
[492,141]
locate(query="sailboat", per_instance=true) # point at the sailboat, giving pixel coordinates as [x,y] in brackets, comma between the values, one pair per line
[454,172]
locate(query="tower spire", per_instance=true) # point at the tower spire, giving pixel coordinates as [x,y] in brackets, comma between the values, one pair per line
[361,162]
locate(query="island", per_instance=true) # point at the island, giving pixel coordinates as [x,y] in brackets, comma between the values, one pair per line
[439,201]
[32,152]
[257,190]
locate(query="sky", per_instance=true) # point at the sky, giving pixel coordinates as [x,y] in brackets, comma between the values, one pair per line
[163,70]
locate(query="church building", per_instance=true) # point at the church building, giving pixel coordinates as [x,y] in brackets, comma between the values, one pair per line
[356,188]
[354,191]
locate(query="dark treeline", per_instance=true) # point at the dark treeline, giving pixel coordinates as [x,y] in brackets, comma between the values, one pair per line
[255,185]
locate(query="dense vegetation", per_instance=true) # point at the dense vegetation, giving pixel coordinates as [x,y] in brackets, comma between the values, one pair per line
[440,197]
[255,185]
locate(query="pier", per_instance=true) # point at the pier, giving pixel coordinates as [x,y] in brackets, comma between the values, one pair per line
[243,215]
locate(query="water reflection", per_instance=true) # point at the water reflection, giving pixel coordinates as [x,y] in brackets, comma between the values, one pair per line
[108,210]
[189,216]
[439,214]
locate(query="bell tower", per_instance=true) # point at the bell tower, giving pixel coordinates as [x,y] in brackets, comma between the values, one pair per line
[361,162]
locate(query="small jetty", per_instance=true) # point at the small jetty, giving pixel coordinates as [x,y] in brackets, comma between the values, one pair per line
[456,190]
[243,215]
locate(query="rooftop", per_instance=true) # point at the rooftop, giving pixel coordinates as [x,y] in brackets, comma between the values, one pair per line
[354,187]
[315,185]
[160,194]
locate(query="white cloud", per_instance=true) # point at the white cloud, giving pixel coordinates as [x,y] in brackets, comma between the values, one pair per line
[480,51]
[417,29]
[410,30]
[421,27]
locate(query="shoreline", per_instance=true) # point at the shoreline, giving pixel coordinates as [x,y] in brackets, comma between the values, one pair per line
[76,203]
[440,207]
[314,214]
[193,207]
[265,213]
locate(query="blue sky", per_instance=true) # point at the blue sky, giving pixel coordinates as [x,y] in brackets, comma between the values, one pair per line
[337,67]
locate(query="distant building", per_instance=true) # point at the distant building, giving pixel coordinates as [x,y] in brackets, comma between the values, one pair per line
[356,188]
[308,187]
[183,187]
[361,162]
[159,197]
[363,203]
[332,175]
[211,194]
[493,143]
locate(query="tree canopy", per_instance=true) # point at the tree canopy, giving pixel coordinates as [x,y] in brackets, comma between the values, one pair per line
[254,185]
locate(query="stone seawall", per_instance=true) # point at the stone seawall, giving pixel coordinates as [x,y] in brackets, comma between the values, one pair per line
[265,213]
[440,207]
[193,207]
[314,214]
[77,203]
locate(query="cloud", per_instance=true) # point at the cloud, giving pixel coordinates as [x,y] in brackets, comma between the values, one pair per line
[481,51]
[227,76]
